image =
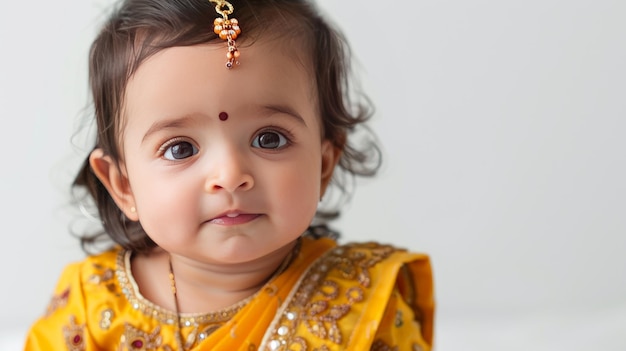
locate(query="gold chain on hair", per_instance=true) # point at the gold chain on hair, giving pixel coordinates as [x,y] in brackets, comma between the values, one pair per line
[227,29]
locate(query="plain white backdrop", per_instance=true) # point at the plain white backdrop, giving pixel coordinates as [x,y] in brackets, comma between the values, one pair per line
[503,125]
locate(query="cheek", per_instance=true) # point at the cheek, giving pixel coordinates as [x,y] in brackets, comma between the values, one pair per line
[163,206]
[297,193]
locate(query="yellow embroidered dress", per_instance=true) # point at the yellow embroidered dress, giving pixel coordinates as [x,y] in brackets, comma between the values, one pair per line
[361,296]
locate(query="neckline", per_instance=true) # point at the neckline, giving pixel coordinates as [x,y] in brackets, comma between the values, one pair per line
[130,289]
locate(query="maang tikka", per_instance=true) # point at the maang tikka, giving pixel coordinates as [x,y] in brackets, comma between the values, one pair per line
[227,29]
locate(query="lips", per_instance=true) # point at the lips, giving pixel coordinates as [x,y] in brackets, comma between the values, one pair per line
[234,218]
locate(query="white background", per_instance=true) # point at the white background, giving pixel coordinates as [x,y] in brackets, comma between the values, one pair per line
[503,126]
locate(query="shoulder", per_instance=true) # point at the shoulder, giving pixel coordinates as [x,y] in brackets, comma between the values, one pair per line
[373,263]
[79,278]
[81,285]
[370,264]
[377,279]
[363,263]
[344,294]
[93,270]
[389,273]
[106,258]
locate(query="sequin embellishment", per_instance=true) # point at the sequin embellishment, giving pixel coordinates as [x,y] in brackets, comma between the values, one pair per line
[319,302]
[74,335]
[58,301]
[134,339]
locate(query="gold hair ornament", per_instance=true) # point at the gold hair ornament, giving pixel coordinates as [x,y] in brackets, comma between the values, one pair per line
[227,29]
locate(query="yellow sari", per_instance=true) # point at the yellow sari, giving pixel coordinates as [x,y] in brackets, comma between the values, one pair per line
[360,296]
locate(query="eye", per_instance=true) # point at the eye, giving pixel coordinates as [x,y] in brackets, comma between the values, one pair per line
[269,140]
[178,150]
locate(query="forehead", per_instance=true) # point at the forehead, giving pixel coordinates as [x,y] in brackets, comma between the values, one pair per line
[192,79]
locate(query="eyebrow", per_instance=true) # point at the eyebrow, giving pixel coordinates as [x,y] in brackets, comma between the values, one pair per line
[170,123]
[287,110]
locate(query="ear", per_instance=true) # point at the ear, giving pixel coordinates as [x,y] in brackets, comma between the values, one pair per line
[115,181]
[330,156]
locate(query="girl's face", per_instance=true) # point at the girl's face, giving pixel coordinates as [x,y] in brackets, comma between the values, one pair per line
[223,191]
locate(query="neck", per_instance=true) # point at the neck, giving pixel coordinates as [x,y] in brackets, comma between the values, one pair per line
[202,288]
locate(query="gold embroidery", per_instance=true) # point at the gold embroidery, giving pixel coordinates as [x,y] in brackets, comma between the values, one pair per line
[58,301]
[134,339]
[319,303]
[105,276]
[138,302]
[195,326]
[74,335]
[354,294]
[300,343]
[208,331]
[399,321]
[191,338]
[106,318]
[322,322]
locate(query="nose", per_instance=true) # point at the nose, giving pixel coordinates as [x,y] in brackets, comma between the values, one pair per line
[230,172]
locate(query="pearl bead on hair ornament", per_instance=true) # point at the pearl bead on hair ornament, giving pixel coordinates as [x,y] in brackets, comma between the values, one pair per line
[227,29]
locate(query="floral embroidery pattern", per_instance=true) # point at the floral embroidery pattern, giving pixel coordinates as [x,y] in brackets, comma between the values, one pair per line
[104,276]
[74,335]
[321,320]
[134,339]
[58,301]
[319,302]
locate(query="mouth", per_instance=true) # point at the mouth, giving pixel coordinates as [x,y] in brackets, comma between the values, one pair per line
[234,218]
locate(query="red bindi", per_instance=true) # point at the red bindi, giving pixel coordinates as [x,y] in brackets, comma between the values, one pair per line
[223,116]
